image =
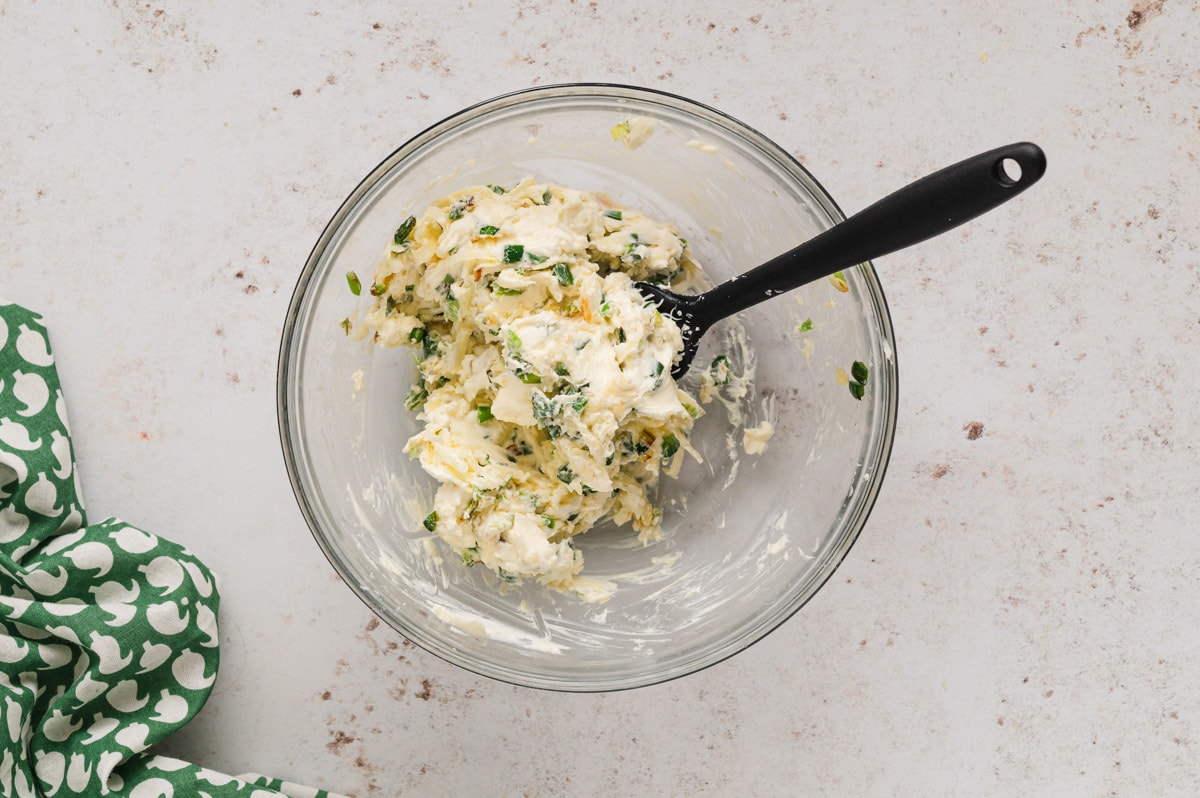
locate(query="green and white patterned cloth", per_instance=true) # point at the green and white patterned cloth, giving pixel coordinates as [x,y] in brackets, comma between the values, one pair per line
[108,634]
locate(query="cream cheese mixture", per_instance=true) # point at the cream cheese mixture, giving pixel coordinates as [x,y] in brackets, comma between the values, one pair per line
[545,384]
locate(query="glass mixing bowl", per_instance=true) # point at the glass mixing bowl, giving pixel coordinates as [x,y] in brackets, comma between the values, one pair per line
[747,539]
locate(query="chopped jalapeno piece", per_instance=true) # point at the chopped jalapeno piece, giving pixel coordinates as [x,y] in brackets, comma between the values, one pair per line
[405,230]
[563,272]
[513,253]
[858,370]
[720,370]
[670,445]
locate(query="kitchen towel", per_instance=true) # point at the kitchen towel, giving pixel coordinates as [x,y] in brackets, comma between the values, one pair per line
[108,633]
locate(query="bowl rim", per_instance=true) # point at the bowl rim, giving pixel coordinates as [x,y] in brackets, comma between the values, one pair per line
[737,644]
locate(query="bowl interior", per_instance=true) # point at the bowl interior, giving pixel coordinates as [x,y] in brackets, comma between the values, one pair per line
[747,539]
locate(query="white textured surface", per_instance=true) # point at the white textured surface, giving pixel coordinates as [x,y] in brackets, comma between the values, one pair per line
[1022,613]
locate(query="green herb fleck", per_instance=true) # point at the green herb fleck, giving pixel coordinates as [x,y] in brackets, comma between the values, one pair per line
[621,335]
[430,521]
[514,342]
[470,556]
[452,309]
[416,397]
[529,378]
[806,325]
[484,412]
[560,369]
[457,210]
[497,189]
[563,272]
[489,230]
[566,474]
[580,403]
[549,521]
[345,324]
[429,345]
[613,215]
[417,335]
[405,230]
[500,290]
[670,445]
[546,197]
[355,285]
[536,258]
[513,252]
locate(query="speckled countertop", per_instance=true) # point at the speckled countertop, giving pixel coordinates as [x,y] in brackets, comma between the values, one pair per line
[1022,613]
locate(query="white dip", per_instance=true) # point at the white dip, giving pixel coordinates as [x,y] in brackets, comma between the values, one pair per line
[545,384]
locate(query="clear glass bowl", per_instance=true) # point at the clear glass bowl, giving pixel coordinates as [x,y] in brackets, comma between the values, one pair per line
[747,539]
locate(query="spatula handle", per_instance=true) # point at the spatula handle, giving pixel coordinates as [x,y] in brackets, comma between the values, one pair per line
[929,207]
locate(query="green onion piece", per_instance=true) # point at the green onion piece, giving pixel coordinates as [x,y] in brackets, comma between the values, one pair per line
[529,378]
[378,289]
[448,279]
[806,325]
[546,197]
[536,258]
[613,215]
[580,403]
[563,272]
[549,521]
[495,188]
[560,369]
[670,445]
[430,521]
[405,229]
[417,335]
[390,307]
[514,342]
[500,290]
[720,370]
[513,253]
[355,285]
[470,556]
[605,309]
[857,389]
[345,323]
[859,372]
[416,398]
[566,474]
[484,412]
[621,335]
[543,406]
[429,345]
[452,309]
[489,230]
